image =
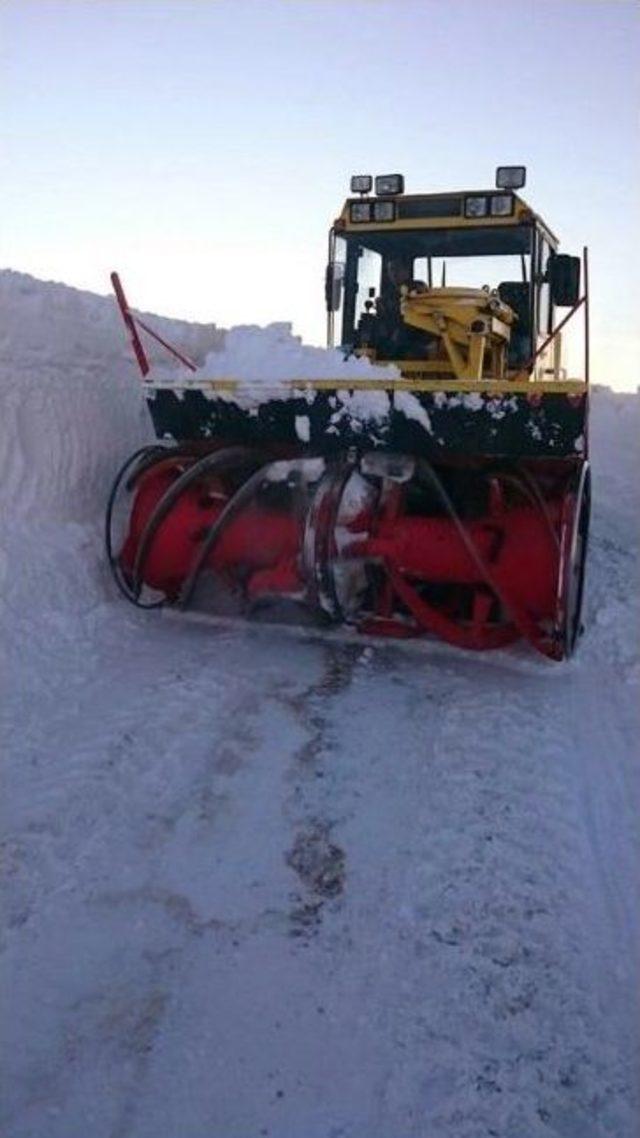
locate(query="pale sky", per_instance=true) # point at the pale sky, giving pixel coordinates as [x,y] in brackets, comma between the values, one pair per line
[203,147]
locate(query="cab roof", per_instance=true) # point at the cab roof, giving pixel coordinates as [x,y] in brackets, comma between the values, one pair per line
[440,211]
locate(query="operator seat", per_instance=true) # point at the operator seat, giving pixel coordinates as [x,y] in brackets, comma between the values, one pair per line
[517,295]
[381,327]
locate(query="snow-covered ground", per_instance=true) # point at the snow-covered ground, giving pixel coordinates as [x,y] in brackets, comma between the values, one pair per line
[265,885]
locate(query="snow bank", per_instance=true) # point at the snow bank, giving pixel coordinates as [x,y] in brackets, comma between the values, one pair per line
[72,400]
[73,403]
[613,596]
[72,410]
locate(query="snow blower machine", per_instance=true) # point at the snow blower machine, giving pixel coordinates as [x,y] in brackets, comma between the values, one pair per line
[445,492]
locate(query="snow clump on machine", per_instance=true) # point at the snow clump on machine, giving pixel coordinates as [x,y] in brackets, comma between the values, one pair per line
[265,362]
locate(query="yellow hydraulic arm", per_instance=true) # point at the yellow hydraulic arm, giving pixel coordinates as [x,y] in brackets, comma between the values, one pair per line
[474,325]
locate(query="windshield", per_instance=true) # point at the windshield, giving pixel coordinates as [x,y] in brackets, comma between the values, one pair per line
[474,258]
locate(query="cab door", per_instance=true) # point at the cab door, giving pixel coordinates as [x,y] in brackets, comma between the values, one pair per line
[334,284]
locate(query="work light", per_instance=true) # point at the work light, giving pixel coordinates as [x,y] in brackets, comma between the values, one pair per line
[360,211]
[361,183]
[511,177]
[501,205]
[384,211]
[475,207]
[389,184]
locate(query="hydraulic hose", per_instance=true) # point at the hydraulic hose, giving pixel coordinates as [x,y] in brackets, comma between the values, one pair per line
[233,507]
[114,565]
[519,616]
[229,456]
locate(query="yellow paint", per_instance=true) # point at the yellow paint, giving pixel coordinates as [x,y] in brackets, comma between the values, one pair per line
[447,386]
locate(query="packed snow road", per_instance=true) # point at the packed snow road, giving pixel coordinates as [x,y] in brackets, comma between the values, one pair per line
[258,884]
[266,886]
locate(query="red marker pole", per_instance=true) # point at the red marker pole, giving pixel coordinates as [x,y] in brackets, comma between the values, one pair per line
[130,323]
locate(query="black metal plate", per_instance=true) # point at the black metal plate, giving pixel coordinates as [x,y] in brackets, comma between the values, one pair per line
[432,424]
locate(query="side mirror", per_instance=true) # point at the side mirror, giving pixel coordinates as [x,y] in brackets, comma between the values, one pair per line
[564,278]
[333,281]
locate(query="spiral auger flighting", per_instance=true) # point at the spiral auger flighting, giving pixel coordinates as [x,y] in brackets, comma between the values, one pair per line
[449,498]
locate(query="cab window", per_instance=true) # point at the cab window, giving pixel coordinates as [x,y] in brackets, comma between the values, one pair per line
[369,279]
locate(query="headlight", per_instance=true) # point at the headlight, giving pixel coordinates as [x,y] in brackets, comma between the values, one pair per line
[389,184]
[501,205]
[360,211]
[361,183]
[384,211]
[511,177]
[475,207]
